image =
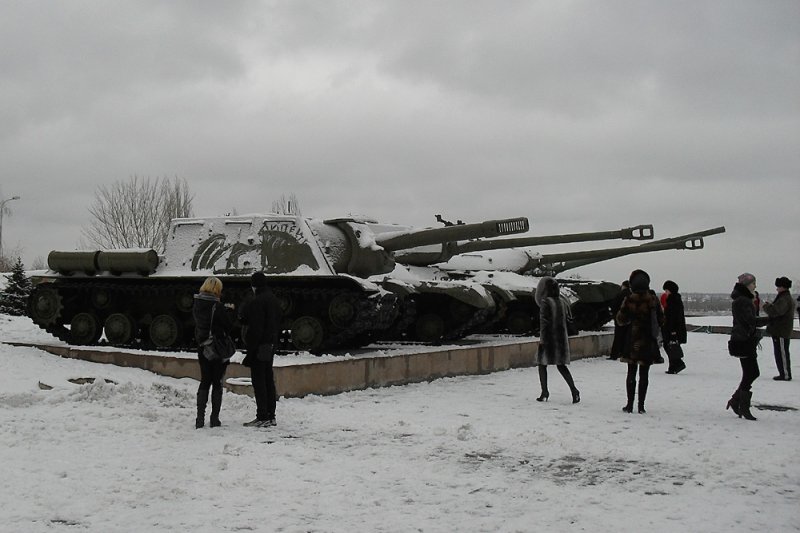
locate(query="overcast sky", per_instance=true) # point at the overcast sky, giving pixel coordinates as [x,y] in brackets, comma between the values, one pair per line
[580,115]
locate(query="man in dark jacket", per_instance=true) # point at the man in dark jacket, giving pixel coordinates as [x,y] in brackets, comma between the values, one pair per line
[262,317]
[674,329]
[781,322]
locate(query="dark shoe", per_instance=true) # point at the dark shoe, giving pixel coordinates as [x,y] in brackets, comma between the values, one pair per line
[199,422]
[627,408]
[253,423]
[641,410]
[543,397]
[215,423]
[268,423]
[781,378]
[576,396]
[670,372]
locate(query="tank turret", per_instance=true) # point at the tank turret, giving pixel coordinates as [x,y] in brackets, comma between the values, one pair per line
[320,270]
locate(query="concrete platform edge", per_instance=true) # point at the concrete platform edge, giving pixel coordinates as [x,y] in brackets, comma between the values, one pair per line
[334,377]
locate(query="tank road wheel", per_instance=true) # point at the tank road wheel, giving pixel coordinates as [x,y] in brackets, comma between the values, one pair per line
[519,323]
[429,328]
[45,306]
[460,311]
[286,303]
[164,331]
[341,311]
[307,333]
[84,329]
[184,301]
[101,298]
[120,329]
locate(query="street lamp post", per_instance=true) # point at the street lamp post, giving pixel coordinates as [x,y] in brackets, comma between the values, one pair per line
[2,211]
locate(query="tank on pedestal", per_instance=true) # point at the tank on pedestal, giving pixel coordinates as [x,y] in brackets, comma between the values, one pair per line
[318,269]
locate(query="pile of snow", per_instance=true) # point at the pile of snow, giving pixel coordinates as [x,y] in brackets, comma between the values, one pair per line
[462,454]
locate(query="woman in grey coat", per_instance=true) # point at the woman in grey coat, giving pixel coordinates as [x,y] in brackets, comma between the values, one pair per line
[553,337]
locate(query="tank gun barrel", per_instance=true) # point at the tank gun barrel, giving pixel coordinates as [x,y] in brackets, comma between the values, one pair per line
[640,232]
[555,263]
[395,241]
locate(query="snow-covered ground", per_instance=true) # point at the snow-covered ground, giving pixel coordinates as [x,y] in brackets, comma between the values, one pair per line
[461,454]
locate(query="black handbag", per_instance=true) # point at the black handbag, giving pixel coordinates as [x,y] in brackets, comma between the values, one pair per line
[217,348]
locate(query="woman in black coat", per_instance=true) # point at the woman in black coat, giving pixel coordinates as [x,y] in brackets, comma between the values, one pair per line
[641,314]
[674,330]
[553,337]
[211,372]
[743,342]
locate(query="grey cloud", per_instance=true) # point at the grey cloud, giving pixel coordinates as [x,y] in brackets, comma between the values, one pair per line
[579,115]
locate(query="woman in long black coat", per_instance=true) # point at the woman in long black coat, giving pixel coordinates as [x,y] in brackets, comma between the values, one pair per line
[211,372]
[641,314]
[553,337]
[674,330]
[743,342]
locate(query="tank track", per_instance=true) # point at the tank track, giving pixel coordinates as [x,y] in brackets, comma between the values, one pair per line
[479,317]
[372,312]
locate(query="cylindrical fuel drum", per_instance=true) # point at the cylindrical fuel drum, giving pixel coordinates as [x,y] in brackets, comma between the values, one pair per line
[119,261]
[69,262]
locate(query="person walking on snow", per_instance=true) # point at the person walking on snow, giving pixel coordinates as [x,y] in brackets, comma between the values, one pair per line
[743,342]
[674,330]
[781,320]
[641,313]
[553,337]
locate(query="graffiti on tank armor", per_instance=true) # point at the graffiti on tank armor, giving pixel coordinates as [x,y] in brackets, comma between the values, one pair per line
[282,248]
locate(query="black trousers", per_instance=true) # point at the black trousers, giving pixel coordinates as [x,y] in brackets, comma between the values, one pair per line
[782,360]
[263,380]
[750,372]
[211,374]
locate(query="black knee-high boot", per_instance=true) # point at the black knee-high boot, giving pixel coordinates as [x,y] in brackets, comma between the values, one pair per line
[543,382]
[630,388]
[733,403]
[565,373]
[216,404]
[202,401]
[642,393]
[744,405]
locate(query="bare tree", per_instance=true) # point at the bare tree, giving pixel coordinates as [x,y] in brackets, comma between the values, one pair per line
[286,206]
[136,213]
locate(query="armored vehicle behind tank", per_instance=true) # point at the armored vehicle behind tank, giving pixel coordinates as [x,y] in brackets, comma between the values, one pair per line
[318,269]
[504,267]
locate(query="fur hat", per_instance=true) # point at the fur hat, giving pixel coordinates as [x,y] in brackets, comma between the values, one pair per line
[746,279]
[640,281]
[258,280]
[670,286]
[784,282]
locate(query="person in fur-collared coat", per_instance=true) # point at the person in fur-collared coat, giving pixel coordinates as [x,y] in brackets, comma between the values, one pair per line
[641,313]
[553,336]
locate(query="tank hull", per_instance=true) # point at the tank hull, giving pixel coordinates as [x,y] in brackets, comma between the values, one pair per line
[319,313]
